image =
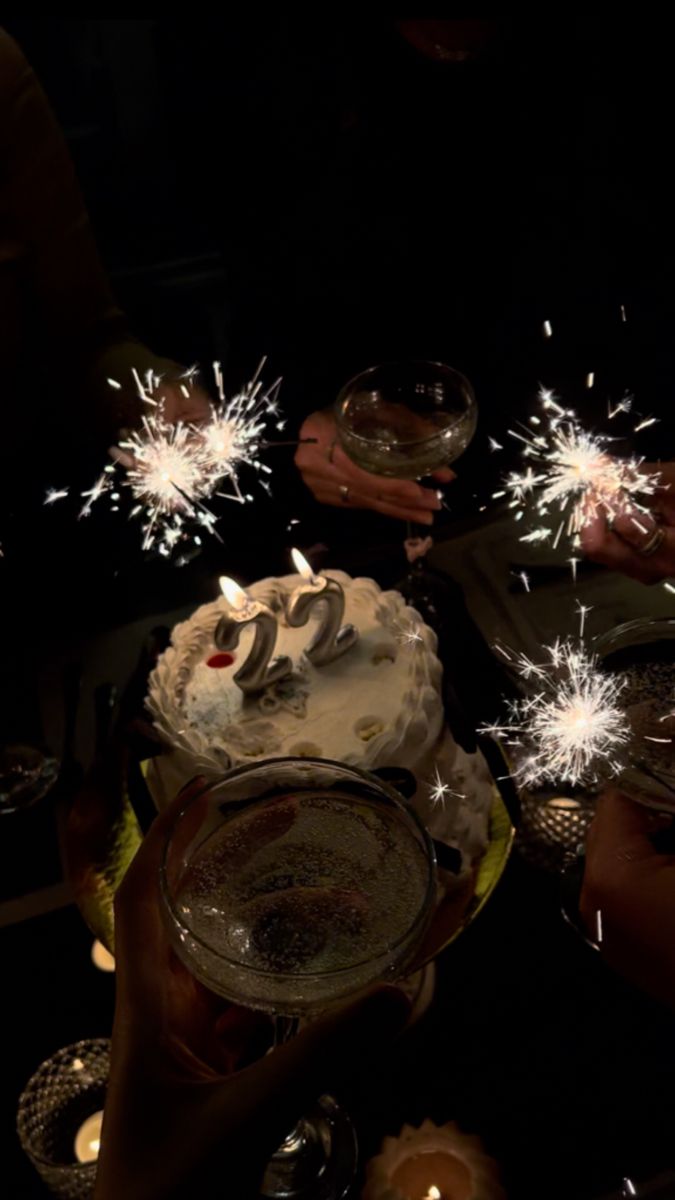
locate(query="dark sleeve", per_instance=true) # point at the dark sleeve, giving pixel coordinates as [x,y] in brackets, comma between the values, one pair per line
[81,328]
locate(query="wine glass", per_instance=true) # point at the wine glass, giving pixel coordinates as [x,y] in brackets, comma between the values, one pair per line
[26,775]
[288,886]
[405,420]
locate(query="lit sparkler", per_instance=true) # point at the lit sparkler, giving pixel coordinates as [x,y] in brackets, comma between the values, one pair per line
[54,494]
[172,469]
[571,726]
[570,478]
[409,635]
[439,791]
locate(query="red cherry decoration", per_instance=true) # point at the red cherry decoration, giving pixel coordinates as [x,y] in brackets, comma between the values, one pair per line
[217,661]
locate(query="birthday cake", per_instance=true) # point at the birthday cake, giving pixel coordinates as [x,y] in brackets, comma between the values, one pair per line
[377,705]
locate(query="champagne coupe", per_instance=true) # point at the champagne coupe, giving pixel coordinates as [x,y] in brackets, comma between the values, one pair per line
[405,420]
[288,886]
[26,775]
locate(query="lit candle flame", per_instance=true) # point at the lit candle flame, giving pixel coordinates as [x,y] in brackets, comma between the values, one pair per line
[433,1193]
[236,597]
[302,566]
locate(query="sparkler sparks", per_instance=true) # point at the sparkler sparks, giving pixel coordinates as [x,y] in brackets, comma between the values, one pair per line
[571,728]
[571,472]
[54,494]
[409,635]
[172,469]
[441,791]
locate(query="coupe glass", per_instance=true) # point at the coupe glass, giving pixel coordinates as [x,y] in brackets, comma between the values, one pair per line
[26,775]
[288,886]
[405,420]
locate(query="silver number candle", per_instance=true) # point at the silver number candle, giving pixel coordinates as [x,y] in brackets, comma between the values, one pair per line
[332,638]
[255,673]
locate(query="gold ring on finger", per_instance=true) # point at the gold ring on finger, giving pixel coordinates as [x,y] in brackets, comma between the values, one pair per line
[653,543]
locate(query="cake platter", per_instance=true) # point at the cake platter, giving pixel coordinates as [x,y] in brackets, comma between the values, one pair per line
[104,834]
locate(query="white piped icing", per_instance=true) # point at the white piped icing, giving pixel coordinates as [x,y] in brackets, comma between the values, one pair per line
[378,704]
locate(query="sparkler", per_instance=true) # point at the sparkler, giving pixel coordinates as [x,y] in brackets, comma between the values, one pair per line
[408,635]
[572,727]
[54,494]
[440,791]
[172,469]
[570,477]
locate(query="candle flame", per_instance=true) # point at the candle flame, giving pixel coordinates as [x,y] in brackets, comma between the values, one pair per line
[301,565]
[236,597]
[433,1193]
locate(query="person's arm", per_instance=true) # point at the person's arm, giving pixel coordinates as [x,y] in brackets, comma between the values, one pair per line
[180,1123]
[77,326]
[632,887]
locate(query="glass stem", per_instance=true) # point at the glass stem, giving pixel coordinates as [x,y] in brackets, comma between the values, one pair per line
[285,1028]
[415,567]
[294,1143]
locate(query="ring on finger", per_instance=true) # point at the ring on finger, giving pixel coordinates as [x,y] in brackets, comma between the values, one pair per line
[653,543]
[344,493]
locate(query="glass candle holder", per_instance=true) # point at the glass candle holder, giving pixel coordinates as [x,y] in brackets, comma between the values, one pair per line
[553,827]
[57,1117]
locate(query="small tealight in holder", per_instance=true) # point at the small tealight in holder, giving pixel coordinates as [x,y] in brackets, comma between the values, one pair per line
[552,829]
[434,1162]
[60,1115]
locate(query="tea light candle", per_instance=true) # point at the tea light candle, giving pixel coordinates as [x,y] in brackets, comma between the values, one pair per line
[432,1163]
[88,1138]
[451,1178]
[332,638]
[101,957]
[255,674]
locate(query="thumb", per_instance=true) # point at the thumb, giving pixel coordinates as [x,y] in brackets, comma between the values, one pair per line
[281,1086]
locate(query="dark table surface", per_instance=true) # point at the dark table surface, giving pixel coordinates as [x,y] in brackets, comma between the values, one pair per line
[566,1073]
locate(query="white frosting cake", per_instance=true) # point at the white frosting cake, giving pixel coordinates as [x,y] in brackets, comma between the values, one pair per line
[378,705]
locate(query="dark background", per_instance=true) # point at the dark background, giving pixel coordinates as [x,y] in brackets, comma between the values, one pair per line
[322,191]
[325,192]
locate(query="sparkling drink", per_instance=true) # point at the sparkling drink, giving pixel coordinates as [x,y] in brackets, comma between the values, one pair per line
[406,419]
[301,899]
[395,443]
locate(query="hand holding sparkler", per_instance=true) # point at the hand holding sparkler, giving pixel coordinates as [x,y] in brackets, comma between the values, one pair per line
[574,486]
[191,405]
[334,479]
[173,467]
[637,544]
[179,404]
[628,896]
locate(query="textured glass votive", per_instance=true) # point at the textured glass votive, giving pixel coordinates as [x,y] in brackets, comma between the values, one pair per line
[59,1100]
[553,828]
